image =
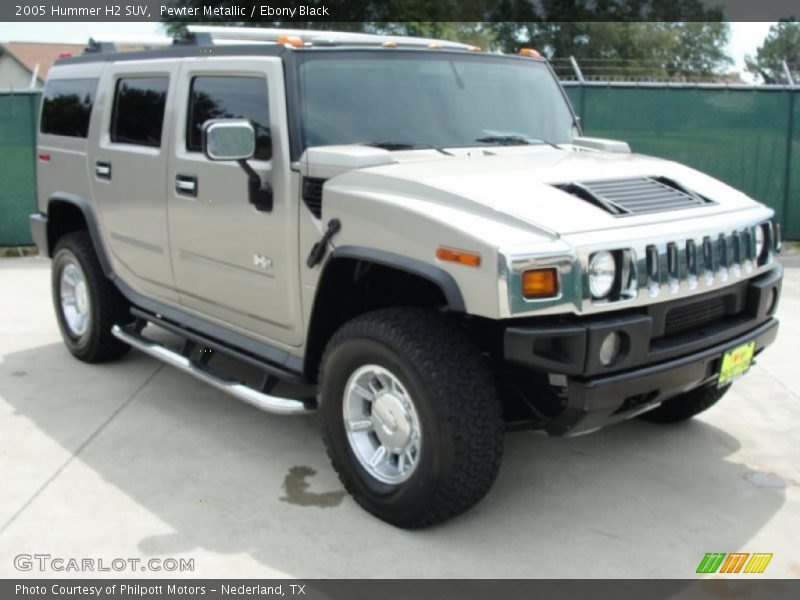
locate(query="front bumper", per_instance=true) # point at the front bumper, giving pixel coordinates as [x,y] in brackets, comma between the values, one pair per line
[655,363]
[597,402]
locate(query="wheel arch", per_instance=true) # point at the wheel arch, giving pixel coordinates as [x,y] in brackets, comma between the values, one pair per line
[69,212]
[344,291]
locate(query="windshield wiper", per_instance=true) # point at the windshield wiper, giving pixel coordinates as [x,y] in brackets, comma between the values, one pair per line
[515,140]
[393,145]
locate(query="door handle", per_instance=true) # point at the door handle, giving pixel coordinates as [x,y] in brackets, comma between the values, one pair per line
[102,169]
[186,185]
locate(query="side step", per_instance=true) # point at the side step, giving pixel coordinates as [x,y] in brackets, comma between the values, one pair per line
[237,389]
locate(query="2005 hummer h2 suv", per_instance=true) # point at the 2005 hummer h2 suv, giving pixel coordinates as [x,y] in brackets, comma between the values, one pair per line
[409,236]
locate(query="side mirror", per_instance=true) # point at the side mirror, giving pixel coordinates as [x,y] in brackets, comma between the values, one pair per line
[229,139]
[235,139]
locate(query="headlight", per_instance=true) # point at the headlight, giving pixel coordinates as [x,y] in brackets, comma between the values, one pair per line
[602,272]
[759,240]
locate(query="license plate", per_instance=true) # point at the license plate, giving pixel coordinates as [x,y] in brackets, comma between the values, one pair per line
[736,362]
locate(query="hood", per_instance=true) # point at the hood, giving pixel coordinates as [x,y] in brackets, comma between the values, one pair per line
[546,188]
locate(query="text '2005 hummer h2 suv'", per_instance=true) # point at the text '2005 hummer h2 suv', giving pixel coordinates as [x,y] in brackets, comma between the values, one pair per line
[409,236]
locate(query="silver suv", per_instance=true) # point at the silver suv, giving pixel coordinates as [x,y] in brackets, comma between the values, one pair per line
[409,236]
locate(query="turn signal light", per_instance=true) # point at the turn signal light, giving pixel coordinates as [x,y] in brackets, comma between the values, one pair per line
[530,52]
[540,283]
[470,259]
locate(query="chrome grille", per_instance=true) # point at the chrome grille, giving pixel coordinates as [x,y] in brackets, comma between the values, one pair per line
[635,195]
[699,262]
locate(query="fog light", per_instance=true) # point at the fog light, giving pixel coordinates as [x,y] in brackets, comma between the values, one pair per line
[610,348]
[772,303]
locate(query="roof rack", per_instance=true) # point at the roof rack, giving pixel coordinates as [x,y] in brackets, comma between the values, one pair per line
[100,44]
[215,34]
[209,35]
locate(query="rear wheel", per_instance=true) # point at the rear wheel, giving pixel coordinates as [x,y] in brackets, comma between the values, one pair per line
[410,416]
[87,304]
[685,406]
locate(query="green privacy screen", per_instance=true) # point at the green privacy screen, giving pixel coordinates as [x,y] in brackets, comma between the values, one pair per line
[18,115]
[748,138]
[793,196]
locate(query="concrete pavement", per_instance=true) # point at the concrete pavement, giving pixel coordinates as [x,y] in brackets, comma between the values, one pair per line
[136,460]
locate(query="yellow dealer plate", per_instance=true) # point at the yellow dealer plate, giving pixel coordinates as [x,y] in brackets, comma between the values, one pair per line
[735,362]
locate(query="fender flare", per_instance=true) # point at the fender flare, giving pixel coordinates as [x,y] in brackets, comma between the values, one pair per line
[436,275]
[91,223]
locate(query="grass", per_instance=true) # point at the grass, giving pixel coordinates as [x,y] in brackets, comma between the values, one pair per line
[17,251]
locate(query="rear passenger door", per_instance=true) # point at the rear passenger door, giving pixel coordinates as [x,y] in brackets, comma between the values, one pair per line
[128,168]
[233,262]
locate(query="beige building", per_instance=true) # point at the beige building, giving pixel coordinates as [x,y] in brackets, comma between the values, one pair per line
[24,65]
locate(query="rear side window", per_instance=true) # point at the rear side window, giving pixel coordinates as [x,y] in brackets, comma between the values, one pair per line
[139,110]
[67,106]
[229,98]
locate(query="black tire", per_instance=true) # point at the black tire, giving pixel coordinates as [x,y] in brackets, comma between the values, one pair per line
[685,406]
[107,306]
[459,414]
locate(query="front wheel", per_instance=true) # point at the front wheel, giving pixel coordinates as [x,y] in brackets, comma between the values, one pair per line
[410,416]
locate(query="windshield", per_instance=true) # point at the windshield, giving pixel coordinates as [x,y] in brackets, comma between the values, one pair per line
[406,99]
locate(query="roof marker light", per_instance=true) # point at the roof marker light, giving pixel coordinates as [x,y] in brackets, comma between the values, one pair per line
[530,52]
[389,44]
[291,40]
[436,46]
[474,48]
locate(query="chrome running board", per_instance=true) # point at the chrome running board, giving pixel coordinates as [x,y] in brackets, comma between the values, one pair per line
[237,389]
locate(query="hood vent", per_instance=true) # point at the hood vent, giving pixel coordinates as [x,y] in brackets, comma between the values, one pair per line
[635,195]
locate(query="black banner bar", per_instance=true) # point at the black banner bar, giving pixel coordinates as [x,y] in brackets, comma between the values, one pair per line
[287,12]
[382,589]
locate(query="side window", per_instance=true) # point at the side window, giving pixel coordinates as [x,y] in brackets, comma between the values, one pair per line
[229,98]
[138,113]
[67,106]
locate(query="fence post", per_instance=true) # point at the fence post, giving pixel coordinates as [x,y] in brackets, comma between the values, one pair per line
[787,172]
[787,73]
[581,83]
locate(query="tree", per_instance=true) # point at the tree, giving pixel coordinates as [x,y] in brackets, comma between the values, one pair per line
[781,44]
[630,39]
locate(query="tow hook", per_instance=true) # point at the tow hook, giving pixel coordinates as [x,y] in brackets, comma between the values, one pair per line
[318,251]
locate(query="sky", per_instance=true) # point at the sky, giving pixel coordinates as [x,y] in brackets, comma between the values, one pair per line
[745,37]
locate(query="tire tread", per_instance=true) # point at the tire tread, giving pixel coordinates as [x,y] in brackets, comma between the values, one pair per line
[110,307]
[460,384]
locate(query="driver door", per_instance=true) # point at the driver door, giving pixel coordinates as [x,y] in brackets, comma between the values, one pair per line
[233,262]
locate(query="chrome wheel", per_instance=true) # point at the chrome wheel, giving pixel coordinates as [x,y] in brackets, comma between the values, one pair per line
[74,294]
[382,424]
